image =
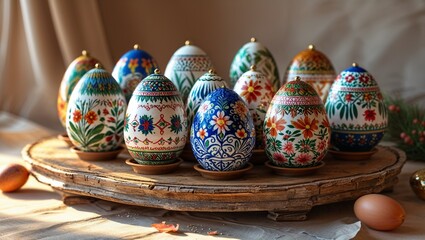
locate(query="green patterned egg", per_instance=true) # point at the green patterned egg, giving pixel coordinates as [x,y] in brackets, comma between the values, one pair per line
[254,53]
[73,74]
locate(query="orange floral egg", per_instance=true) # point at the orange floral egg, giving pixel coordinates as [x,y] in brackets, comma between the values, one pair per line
[313,67]
[296,128]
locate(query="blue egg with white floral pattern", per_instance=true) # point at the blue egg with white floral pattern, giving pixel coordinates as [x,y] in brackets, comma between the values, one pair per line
[132,67]
[222,134]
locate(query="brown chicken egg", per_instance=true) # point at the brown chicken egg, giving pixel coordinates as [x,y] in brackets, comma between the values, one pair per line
[13,177]
[379,212]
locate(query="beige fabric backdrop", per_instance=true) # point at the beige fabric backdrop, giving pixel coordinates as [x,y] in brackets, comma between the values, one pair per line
[40,38]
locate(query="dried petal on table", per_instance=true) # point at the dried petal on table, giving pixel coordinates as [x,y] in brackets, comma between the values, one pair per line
[212,233]
[163,227]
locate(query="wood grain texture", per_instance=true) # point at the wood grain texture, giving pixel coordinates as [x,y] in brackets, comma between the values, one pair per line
[185,190]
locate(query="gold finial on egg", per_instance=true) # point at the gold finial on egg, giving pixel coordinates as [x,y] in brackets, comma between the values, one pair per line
[253,67]
[85,53]
[222,86]
[157,71]
[187,43]
[253,39]
[98,66]
[136,46]
[311,47]
[354,64]
[297,78]
[211,71]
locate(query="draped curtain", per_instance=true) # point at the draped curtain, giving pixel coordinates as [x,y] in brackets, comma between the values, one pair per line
[39,38]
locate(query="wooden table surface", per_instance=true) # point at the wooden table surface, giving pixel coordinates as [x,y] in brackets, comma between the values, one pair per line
[36,211]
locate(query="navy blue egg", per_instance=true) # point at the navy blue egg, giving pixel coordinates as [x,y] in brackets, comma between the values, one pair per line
[132,67]
[222,134]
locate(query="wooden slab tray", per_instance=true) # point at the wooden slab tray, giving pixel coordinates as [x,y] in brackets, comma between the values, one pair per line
[286,198]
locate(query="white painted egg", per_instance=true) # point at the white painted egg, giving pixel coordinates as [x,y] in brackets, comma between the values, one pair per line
[296,127]
[95,115]
[357,113]
[186,65]
[257,92]
[156,127]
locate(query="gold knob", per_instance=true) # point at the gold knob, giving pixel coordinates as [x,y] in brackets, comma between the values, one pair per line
[253,39]
[98,66]
[211,71]
[297,78]
[311,47]
[136,46]
[354,64]
[222,86]
[187,43]
[253,67]
[157,71]
[85,53]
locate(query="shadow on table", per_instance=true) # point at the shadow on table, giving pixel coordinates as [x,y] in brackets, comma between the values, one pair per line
[32,194]
[24,228]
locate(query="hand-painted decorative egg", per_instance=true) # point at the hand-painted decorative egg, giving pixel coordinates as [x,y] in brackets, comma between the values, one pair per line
[132,67]
[73,73]
[222,134]
[205,85]
[255,53]
[95,116]
[257,92]
[296,127]
[314,68]
[156,128]
[186,65]
[356,111]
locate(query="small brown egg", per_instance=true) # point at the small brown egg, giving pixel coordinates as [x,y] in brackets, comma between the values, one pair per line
[13,177]
[379,212]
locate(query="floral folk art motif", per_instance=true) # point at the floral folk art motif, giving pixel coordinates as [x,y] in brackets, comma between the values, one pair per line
[95,116]
[73,74]
[186,65]
[254,53]
[222,134]
[132,67]
[313,67]
[296,127]
[257,92]
[155,124]
[205,85]
[356,111]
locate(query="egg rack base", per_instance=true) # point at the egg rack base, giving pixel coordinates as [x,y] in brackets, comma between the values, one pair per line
[285,198]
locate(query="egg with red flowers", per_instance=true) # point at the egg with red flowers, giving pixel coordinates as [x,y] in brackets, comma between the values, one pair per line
[356,111]
[296,127]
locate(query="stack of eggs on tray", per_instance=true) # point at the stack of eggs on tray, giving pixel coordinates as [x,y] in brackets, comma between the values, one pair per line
[289,125]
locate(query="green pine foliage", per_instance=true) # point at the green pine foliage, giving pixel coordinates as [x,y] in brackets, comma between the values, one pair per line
[406,127]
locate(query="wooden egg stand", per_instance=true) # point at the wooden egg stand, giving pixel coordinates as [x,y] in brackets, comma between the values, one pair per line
[285,198]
